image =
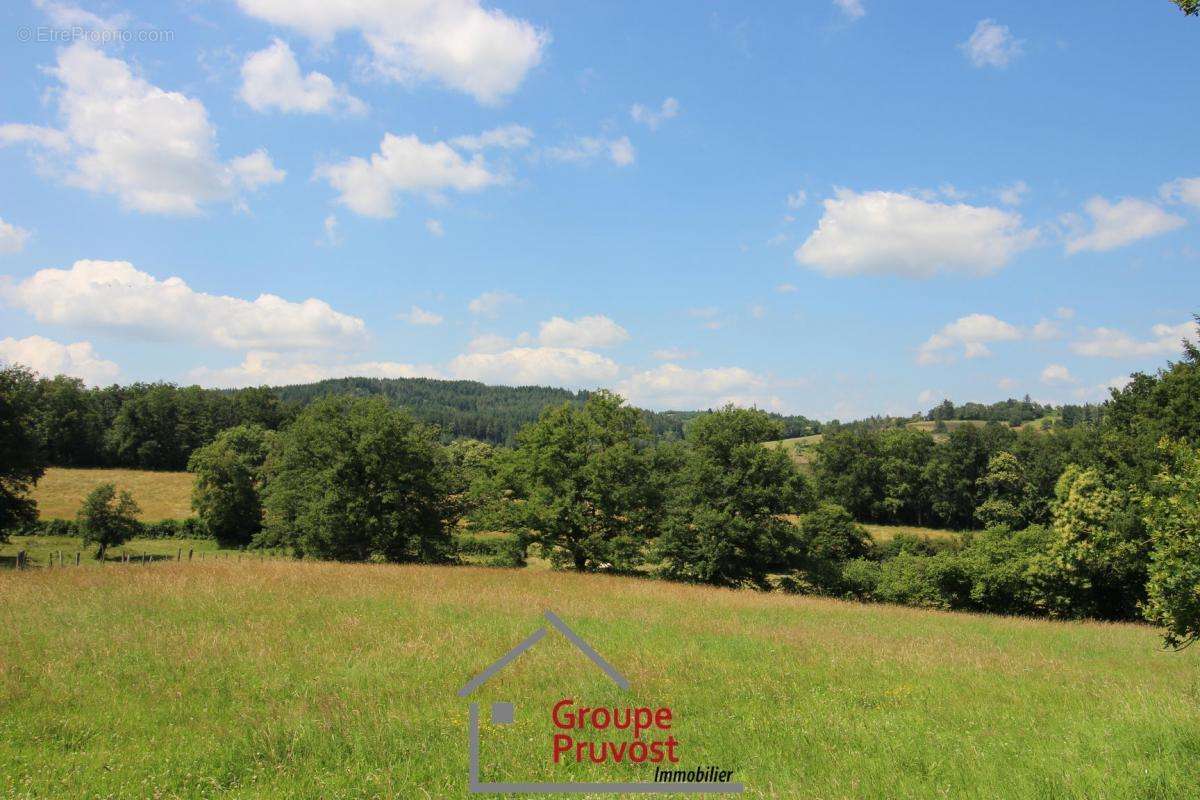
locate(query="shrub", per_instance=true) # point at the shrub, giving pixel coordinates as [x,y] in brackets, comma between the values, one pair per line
[923,581]
[860,578]
[107,519]
[999,567]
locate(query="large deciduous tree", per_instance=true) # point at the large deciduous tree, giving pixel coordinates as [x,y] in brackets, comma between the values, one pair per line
[1173,519]
[107,519]
[580,485]
[355,480]
[21,459]
[725,525]
[229,477]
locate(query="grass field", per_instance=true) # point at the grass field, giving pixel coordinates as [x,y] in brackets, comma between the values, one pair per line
[316,680]
[885,533]
[41,550]
[161,495]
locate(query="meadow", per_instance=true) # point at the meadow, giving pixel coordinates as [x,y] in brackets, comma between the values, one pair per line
[160,495]
[321,680]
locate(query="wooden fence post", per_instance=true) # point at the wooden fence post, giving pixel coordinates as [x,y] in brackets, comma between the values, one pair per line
[20,559]
[179,555]
[189,554]
[77,558]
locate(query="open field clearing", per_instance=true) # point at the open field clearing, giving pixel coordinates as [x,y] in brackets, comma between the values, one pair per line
[320,680]
[161,495]
[885,533]
[40,550]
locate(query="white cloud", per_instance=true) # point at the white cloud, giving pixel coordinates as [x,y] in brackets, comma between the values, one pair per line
[488,343]
[50,358]
[1121,223]
[419,316]
[1046,329]
[972,332]
[888,233]
[777,240]
[991,45]
[1182,190]
[673,354]
[1064,312]
[1007,384]
[651,118]
[522,366]
[592,331]
[458,43]
[271,79]
[489,304]
[435,227]
[587,148]
[1013,194]
[853,9]
[787,288]
[12,238]
[1057,373]
[673,386]
[154,150]
[333,236]
[797,199]
[404,164]
[1112,343]
[506,137]
[758,311]
[113,295]
[269,368]
[65,15]
[927,396]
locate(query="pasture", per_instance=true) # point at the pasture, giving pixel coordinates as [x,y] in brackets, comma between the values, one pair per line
[322,680]
[161,495]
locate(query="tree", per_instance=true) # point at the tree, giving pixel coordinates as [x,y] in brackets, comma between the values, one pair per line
[1006,494]
[107,519]
[228,487]
[1173,519]
[1098,559]
[849,471]
[904,454]
[353,479]
[725,524]
[22,461]
[68,426]
[1189,7]
[579,484]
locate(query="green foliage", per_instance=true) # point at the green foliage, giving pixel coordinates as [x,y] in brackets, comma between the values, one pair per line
[1189,7]
[107,519]
[1173,519]
[724,527]
[189,528]
[998,570]
[580,486]
[356,480]
[922,581]
[1007,497]
[826,538]
[22,460]
[1096,564]
[229,477]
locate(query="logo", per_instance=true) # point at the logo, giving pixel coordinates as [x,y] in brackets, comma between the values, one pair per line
[650,739]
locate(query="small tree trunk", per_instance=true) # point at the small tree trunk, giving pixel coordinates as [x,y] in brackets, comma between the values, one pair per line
[580,561]
[100,552]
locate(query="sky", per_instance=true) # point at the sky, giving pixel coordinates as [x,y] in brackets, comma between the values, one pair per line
[833,207]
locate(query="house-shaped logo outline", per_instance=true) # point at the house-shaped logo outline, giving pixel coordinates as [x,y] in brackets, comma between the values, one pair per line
[502,714]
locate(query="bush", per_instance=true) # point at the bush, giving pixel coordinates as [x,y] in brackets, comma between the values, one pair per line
[922,581]
[189,528]
[914,545]
[860,578]
[107,519]
[999,567]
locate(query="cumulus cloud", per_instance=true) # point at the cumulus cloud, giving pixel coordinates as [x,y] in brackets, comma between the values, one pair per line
[265,367]
[991,45]
[1046,329]
[489,304]
[797,199]
[673,354]
[1182,190]
[114,296]
[972,333]
[49,358]
[506,137]
[152,149]
[651,118]
[457,43]
[889,233]
[592,331]
[1121,223]
[488,343]
[853,9]
[332,236]
[1064,312]
[524,366]
[405,164]
[1113,343]
[66,15]
[12,238]
[419,316]
[588,148]
[271,79]
[1013,194]
[1057,374]
[673,386]
[435,227]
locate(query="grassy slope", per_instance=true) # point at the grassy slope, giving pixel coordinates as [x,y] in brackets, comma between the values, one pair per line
[335,681]
[161,495]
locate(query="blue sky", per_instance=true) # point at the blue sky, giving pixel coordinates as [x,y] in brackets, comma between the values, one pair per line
[829,208]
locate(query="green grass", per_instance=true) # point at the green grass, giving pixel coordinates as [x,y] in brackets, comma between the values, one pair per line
[161,495]
[885,533]
[41,550]
[316,680]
